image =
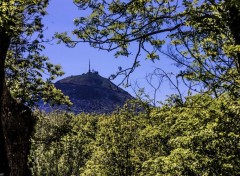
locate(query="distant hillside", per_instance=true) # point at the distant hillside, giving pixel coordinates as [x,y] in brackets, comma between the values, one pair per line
[91,92]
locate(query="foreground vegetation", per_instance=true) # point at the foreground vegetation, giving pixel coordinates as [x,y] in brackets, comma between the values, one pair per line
[199,138]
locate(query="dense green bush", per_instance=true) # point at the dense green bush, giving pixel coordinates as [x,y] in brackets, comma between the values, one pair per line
[199,138]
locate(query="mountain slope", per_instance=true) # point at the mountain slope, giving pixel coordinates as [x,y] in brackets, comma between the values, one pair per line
[91,92]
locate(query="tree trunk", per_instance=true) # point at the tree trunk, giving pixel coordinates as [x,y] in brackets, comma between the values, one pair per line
[4,45]
[234,25]
[16,125]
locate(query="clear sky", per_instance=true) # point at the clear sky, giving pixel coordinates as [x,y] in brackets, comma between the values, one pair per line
[74,61]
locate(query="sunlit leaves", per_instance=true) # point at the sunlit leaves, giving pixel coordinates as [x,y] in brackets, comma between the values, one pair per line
[29,75]
[20,16]
[200,138]
[206,47]
[113,26]
[204,34]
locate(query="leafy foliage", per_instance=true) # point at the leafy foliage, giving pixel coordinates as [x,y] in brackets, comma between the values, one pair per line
[203,35]
[201,138]
[62,143]
[207,47]
[114,26]
[26,68]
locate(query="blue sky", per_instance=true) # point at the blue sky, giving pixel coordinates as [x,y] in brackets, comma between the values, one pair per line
[74,61]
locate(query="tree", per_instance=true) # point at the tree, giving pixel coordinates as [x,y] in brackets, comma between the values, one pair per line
[113,26]
[208,47]
[21,65]
[200,137]
[62,143]
[201,140]
[204,35]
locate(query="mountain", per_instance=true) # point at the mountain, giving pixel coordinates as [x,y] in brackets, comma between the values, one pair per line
[91,92]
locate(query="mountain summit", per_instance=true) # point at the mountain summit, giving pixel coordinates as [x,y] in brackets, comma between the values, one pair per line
[90,92]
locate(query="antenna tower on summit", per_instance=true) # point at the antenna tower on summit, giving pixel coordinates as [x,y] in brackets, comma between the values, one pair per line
[89,67]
